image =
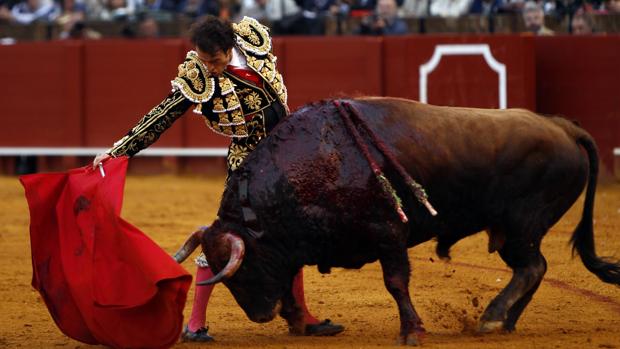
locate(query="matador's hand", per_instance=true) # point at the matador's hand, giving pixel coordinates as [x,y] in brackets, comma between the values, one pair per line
[100,159]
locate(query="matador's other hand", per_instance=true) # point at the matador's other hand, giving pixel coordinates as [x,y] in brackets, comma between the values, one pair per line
[100,159]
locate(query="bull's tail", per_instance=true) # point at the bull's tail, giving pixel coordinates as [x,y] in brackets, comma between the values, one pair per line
[583,237]
[190,245]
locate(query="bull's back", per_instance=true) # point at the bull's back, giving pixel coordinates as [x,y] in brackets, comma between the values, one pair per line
[479,164]
[434,139]
[473,163]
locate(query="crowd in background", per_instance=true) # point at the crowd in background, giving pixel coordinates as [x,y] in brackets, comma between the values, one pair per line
[296,17]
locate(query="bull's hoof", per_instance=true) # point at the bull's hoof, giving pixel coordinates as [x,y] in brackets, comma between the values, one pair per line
[412,339]
[491,326]
[296,330]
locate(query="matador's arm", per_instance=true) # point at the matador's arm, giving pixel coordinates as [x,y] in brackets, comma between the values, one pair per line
[152,125]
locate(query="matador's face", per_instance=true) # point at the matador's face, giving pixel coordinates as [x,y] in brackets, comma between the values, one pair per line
[216,64]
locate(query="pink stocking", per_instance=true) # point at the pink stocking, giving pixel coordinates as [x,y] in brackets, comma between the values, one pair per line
[298,293]
[201,300]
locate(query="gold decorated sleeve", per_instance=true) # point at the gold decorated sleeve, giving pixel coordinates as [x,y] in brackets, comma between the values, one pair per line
[152,125]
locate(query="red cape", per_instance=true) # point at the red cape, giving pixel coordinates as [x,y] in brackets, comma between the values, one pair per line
[102,279]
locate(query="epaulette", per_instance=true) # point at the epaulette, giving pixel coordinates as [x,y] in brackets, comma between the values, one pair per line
[193,79]
[252,36]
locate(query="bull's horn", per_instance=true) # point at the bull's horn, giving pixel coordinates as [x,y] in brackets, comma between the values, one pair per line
[237,250]
[190,245]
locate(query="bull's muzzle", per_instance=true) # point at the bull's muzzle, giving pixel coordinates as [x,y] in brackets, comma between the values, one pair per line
[270,316]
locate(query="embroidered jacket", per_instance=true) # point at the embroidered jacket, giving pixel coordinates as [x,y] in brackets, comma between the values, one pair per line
[229,104]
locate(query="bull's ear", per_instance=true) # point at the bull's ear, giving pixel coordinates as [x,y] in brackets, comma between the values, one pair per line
[237,251]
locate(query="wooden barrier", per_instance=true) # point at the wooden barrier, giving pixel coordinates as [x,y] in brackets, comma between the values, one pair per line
[578,77]
[322,67]
[42,93]
[89,94]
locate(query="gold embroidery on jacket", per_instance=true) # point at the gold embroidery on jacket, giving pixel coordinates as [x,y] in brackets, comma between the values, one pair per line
[223,119]
[226,85]
[253,101]
[240,148]
[236,155]
[255,63]
[241,132]
[193,79]
[232,101]
[252,36]
[266,69]
[150,127]
[218,105]
[237,117]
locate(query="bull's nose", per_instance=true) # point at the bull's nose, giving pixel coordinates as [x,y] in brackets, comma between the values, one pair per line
[261,318]
[265,317]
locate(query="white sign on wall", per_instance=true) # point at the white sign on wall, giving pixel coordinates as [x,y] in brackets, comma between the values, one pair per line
[462,50]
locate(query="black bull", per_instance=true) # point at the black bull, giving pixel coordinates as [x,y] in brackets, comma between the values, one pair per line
[316,201]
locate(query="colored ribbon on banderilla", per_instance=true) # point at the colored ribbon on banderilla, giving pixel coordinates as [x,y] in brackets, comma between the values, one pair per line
[418,191]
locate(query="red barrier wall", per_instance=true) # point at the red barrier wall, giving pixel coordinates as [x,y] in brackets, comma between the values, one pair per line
[579,77]
[322,67]
[92,93]
[41,92]
[123,80]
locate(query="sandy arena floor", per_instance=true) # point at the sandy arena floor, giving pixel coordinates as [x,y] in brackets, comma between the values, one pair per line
[572,308]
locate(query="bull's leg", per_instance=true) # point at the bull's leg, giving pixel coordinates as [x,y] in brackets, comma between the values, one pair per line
[293,313]
[396,279]
[529,267]
[515,311]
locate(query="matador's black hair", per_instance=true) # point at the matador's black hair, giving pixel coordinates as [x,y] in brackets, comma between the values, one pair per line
[211,34]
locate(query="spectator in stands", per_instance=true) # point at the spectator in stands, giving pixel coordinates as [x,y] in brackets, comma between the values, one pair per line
[8,4]
[612,6]
[582,23]
[118,10]
[148,28]
[314,14]
[450,8]
[485,7]
[364,8]
[29,11]
[256,9]
[80,31]
[534,18]
[73,12]
[93,9]
[384,21]
[285,16]
[415,8]
[5,13]
[189,8]
[268,11]
[173,6]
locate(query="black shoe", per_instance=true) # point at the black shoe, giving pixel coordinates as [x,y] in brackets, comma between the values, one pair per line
[324,328]
[201,335]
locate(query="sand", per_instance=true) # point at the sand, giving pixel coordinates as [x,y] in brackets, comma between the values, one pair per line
[572,308]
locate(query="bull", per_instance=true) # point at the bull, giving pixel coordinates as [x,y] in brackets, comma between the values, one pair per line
[307,196]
